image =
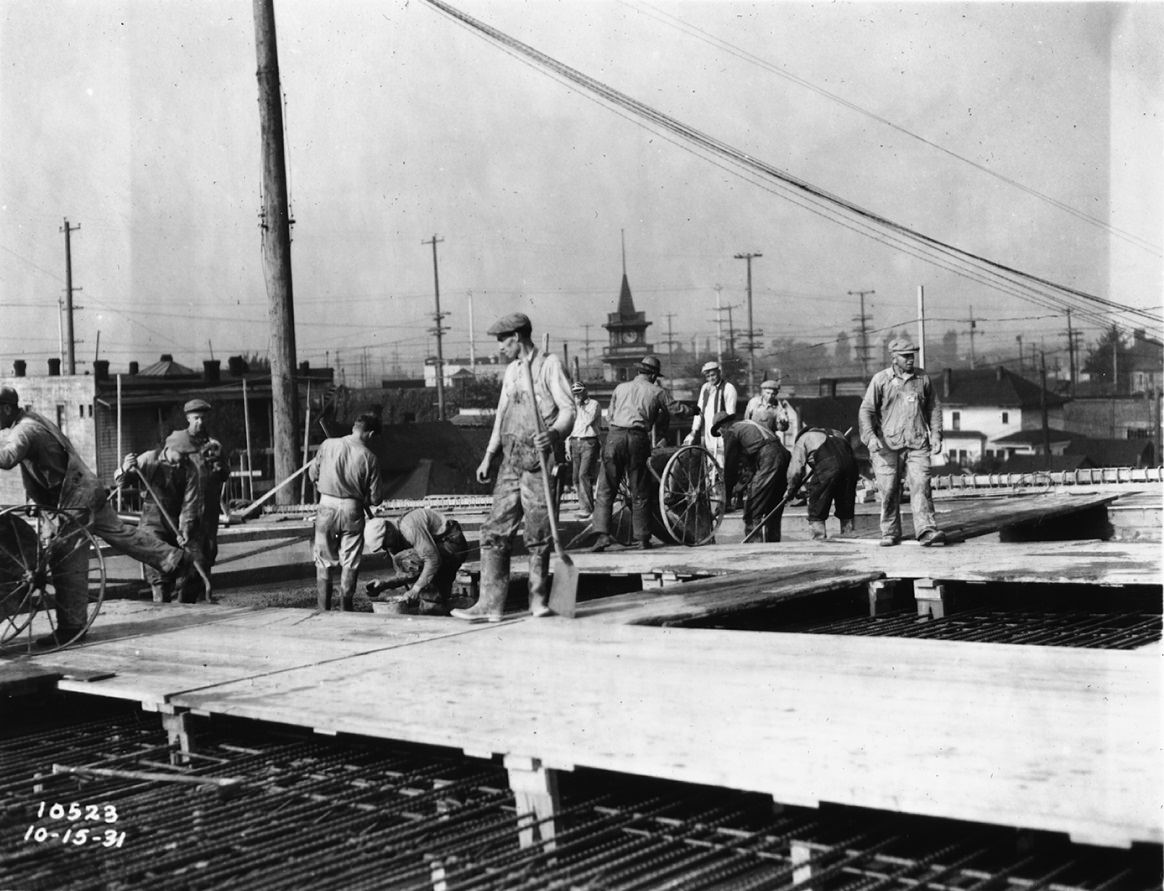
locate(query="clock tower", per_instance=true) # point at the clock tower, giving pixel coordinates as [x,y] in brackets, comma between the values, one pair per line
[628,337]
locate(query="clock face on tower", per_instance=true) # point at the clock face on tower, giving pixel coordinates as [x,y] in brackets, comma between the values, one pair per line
[630,336]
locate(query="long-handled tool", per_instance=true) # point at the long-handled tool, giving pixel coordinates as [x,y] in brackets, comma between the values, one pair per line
[564,590]
[788,496]
[201,570]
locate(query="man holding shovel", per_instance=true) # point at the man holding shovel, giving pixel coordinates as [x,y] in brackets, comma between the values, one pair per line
[520,488]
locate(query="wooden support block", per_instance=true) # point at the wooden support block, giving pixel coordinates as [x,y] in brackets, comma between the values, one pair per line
[651,581]
[801,855]
[535,792]
[931,598]
[881,595]
[177,725]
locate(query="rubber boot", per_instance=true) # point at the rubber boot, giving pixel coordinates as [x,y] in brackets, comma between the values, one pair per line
[323,591]
[848,527]
[347,590]
[493,590]
[818,530]
[539,584]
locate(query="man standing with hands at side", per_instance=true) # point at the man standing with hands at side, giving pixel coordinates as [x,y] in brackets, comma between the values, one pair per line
[715,396]
[901,424]
[519,490]
[582,448]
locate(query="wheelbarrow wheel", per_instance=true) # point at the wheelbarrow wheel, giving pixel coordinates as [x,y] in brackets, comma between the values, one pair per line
[691,497]
[41,548]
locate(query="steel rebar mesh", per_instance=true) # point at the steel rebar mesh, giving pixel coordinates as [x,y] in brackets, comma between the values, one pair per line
[299,812]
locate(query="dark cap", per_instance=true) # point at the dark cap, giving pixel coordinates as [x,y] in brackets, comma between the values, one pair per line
[8,395]
[770,384]
[721,418]
[902,345]
[196,405]
[651,365]
[578,387]
[181,441]
[507,324]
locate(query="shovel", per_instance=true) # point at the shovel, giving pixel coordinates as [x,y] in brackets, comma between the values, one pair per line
[199,568]
[564,589]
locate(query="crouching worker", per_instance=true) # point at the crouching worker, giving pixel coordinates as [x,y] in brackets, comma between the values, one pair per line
[833,482]
[173,478]
[56,477]
[346,474]
[428,549]
[749,440]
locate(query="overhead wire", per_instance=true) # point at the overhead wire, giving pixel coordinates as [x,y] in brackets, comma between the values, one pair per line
[999,276]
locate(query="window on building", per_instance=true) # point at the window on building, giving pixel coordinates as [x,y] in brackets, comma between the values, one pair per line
[1139,433]
[956,420]
[61,417]
[1006,417]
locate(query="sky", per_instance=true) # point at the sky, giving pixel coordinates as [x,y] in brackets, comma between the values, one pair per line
[1028,134]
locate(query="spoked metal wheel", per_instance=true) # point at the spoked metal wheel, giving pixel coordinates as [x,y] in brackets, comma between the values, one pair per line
[691,496]
[622,527]
[52,579]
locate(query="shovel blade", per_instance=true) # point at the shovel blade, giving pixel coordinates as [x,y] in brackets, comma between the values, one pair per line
[564,589]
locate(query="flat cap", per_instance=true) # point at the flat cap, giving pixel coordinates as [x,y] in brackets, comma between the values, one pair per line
[578,387]
[721,418]
[181,441]
[514,321]
[902,345]
[8,395]
[709,366]
[770,384]
[196,405]
[651,365]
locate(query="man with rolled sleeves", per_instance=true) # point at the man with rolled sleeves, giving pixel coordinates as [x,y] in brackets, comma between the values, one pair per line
[55,476]
[752,441]
[583,448]
[775,413]
[636,408]
[429,549]
[901,424]
[518,490]
[715,396]
[346,474]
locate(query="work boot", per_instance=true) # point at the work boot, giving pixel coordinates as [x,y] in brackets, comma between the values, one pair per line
[539,584]
[493,589]
[818,530]
[931,537]
[160,593]
[848,527]
[889,541]
[601,543]
[323,592]
[347,590]
[643,544]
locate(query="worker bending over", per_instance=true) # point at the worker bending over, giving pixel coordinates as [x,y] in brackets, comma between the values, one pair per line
[428,549]
[826,458]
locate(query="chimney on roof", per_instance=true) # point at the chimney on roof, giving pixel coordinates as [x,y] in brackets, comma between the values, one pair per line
[19,367]
[54,367]
[211,370]
[101,369]
[304,367]
[167,357]
[947,379]
[134,367]
[237,365]
[998,372]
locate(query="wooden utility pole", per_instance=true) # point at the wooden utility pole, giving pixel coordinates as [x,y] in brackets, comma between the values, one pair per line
[1043,409]
[1071,353]
[921,325]
[439,330]
[276,249]
[70,341]
[749,257]
[863,330]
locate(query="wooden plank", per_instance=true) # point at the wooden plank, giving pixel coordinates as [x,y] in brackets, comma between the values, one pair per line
[703,599]
[1045,738]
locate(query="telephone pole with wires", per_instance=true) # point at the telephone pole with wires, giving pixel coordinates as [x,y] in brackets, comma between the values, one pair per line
[439,330]
[862,321]
[748,257]
[70,340]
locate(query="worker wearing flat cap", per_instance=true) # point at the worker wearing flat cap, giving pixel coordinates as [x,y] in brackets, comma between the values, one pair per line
[213,472]
[174,478]
[637,407]
[583,448]
[776,414]
[715,396]
[518,492]
[901,424]
[428,550]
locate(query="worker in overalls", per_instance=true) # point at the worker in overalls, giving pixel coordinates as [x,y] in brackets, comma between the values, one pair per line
[428,549]
[744,440]
[828,456]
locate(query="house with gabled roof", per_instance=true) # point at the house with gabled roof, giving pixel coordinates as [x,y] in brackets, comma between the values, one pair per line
[982,407]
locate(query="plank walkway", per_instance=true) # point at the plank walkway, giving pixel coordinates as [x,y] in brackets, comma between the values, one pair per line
[1047,738]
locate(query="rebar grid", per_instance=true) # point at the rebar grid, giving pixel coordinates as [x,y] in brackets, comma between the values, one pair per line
[308,813]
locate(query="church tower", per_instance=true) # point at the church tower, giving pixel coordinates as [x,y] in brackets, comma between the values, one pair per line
[628,334]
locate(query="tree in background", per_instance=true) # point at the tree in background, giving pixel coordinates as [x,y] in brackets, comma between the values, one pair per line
[1098,362]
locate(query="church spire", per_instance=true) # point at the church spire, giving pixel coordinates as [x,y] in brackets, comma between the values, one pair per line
[626,303]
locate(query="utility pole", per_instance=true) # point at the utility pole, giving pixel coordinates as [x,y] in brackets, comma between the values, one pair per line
[1043,408]
[718,326]
[586,346]
[863,331]
[439,330]
[276,250]
[1071,335]
[921,325]
[70,342]
[974,329]
[670,344]
[731,330]
[1022,360]
[1115,360]
[472,345]
[748,258]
